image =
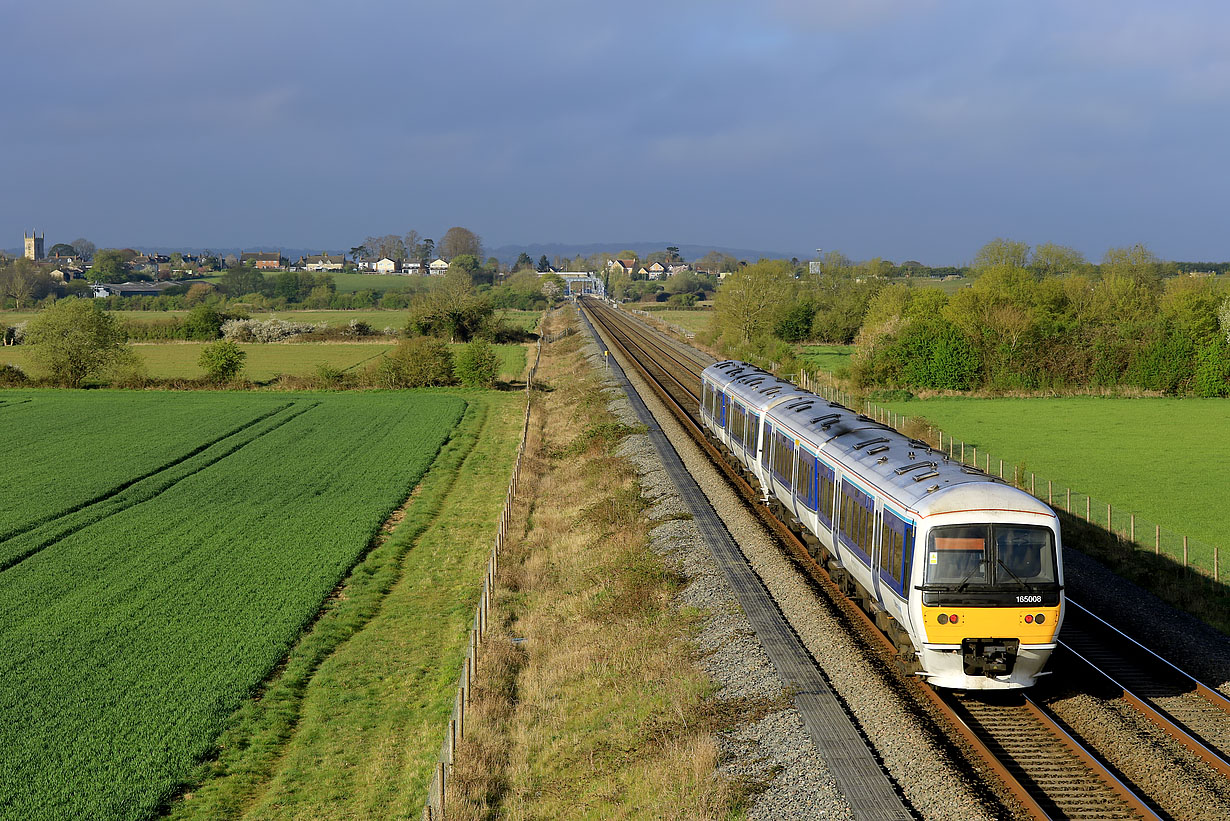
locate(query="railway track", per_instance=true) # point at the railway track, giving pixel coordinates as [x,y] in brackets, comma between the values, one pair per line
[862,781]
[1040,763]
[1195,715]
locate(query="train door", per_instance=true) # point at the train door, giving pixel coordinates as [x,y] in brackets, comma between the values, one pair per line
[877,555]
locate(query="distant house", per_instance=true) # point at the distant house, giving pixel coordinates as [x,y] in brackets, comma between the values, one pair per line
[675,269]
[623,266]
[385,265]
[657,271]
[438,268]
[262,261]
[408,267]
[324,262]
[643,272]
[366,263]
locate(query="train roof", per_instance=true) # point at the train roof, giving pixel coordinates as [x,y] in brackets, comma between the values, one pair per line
[755,387]
[909,470]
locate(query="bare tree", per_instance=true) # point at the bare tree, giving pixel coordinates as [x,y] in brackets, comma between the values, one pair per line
[458,241]
[389,245]
[85,248]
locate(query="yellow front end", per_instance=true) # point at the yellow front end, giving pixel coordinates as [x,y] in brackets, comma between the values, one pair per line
[946,643]
[991,622]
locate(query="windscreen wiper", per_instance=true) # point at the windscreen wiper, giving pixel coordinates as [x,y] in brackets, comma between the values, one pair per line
[961,584]
[1024,584]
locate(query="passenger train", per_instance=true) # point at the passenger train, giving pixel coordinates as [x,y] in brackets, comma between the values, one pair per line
[960,569]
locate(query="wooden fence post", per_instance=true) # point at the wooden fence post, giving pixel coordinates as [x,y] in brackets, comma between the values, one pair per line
[1068,504]
[1157,540]
[1049,498]
[1108,519]
[1132,526]
[1088,513]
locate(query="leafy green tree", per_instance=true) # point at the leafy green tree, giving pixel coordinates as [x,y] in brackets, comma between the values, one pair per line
[523,262]
[477,364]
[796,322]
[109,266]
[204,323]
[750,301]
[62,249]
[1050,260]
[415,363]
[75,339]
[453,309]
[543,265]
[240,280]
[999,251]
[1136,263]
[222,360]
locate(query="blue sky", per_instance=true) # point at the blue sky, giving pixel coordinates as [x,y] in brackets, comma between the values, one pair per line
[909,129]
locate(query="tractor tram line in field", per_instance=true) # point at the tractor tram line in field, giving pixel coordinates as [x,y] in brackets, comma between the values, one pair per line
[125,485]
[22,543]
[1038,761]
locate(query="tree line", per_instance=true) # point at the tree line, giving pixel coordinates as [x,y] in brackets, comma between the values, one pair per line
[1032,319]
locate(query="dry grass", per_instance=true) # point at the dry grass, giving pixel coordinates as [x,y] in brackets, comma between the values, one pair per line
[589,702]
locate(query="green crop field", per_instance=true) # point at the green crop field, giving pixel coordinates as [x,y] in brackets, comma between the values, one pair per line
[1158,458]
[827,357]
[178,360]
[189,545]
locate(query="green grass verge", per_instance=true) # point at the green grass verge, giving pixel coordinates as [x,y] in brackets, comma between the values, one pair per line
[351,725]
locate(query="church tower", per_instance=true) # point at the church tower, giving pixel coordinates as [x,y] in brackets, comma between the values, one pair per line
[34,245]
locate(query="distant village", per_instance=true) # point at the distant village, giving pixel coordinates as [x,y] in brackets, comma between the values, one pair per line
[150,274]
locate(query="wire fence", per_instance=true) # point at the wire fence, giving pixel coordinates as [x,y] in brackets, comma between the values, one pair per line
[442,776]
[1134,530]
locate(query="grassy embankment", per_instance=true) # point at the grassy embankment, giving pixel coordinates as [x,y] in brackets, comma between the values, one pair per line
[588,702]
[350,726]
[178,360]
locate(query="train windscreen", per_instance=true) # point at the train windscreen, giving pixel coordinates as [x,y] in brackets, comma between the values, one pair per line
[997,555]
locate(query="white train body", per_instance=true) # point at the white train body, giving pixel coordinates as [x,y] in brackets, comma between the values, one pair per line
[961,569]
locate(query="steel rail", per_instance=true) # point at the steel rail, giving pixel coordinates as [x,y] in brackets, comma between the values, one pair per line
[1138,698]
[1133,805]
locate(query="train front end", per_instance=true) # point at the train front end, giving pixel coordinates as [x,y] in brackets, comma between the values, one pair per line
[988,600]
